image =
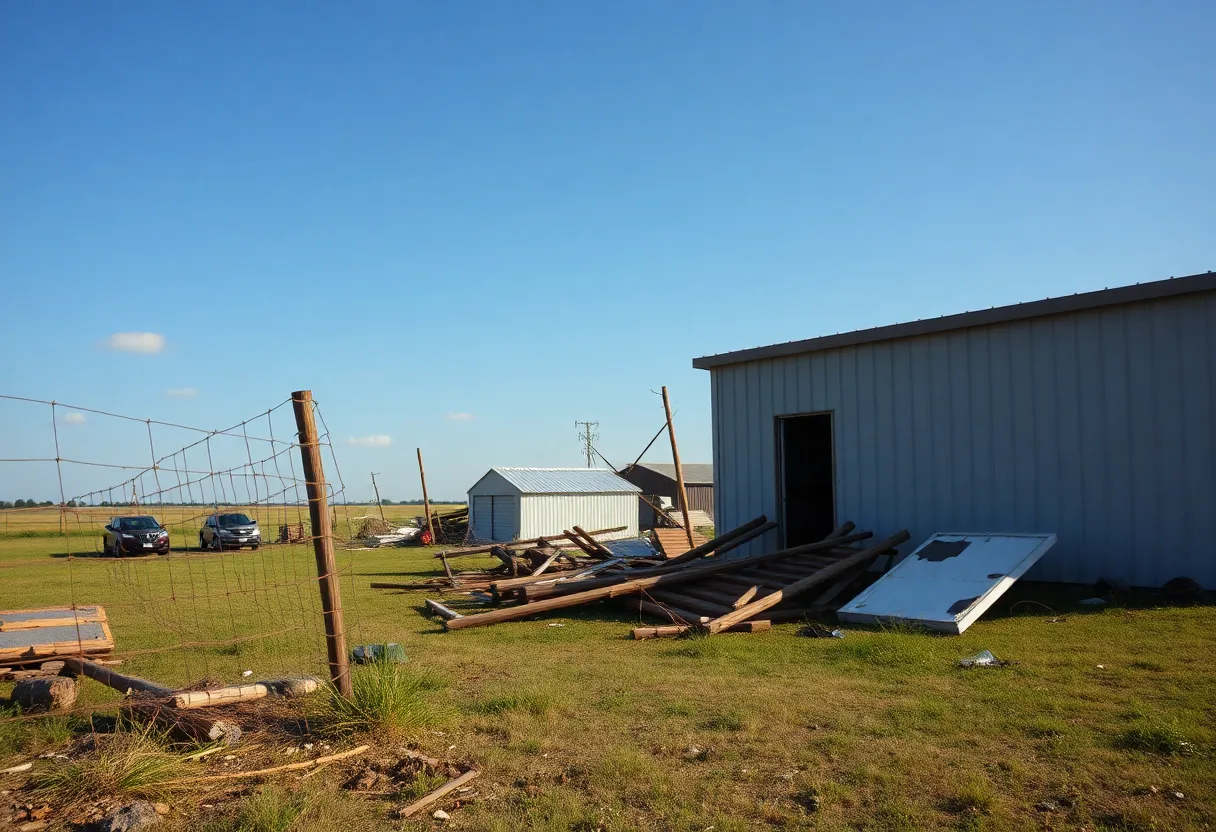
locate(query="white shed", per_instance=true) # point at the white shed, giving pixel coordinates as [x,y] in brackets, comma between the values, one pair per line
[521,503]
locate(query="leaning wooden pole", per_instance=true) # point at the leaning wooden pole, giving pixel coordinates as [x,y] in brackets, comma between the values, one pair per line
[323,542]
[426,501]
[675,456]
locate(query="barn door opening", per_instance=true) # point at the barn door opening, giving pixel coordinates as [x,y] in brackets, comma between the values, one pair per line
[808,477]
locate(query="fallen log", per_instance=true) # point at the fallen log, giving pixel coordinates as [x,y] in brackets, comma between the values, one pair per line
[52,693]
[73,666]
[189,699]
[616,587]
[828,573]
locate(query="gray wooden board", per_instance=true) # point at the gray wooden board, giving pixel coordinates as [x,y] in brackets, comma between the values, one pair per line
[88,631]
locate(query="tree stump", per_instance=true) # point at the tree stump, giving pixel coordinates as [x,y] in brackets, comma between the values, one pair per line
[53,693]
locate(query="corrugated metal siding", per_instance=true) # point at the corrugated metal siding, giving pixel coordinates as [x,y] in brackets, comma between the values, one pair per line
[506,517]
[481,512]
[1099,426]
[544,514]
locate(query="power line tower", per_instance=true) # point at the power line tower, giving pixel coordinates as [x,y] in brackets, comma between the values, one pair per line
[587,438]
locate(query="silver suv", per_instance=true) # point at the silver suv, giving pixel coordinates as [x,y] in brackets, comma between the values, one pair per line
[229,531]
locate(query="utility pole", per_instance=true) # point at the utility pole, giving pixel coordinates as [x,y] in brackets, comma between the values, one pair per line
[379,504]
[426,502]
[675,457]
[587,438]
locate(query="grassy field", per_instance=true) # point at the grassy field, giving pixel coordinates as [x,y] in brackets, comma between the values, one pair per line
[1106,715]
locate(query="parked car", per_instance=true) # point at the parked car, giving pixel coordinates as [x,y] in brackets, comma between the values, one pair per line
[135,536]
[229,531]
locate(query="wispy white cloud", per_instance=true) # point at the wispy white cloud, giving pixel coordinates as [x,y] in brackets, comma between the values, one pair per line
[148,343]
[182,392]
[459,417]
[370,441]
[72,419]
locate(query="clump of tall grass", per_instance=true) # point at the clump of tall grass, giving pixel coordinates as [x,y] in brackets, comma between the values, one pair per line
[128,763]
[1155,738]
[386,699]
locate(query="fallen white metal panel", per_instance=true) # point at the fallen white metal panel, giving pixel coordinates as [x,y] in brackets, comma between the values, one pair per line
[949,581]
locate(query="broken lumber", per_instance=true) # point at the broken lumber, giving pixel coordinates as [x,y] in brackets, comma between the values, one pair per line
[670,630]
[746,532]
[603,551]
[236,775]
[822,576]
[539,541]
[616,586]
[440,610]
[189,699]
[451,785]
[536,592]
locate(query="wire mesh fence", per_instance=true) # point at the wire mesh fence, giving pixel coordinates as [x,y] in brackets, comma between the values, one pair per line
[192,550]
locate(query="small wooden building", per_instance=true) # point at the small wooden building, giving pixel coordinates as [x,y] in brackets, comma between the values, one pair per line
[658,479]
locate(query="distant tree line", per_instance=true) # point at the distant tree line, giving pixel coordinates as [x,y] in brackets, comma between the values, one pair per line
[30,503]
[419,502]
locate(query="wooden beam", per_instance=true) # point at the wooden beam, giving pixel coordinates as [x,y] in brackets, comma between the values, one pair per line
[671,630]
[73,666]
[604,552]
[823,576]
[446,613]
[451,785]
[712,566]
[734,537]
[675,455]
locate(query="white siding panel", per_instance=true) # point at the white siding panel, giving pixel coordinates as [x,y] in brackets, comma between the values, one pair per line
[1099,426]
[551,514]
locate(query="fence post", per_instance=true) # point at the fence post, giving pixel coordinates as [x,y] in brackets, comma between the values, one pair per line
[323,542]
[426,501]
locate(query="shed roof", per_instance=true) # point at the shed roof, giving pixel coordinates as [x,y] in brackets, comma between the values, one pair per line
[1140,292]
[695,473]
[566,480]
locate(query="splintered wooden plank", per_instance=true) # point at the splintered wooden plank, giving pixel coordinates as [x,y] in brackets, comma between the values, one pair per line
[49,617]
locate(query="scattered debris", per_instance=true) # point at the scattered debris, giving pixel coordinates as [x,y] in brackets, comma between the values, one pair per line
[1182,591]
[439,814]
[133,816]
[319,761]
[17,769]
[391,652]
[984,658]
[816,630]
[1045,806]
[451,785]
[1092,602]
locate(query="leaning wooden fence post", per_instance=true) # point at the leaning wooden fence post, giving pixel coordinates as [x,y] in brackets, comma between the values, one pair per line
[426,502]
[675,456]
[323,542]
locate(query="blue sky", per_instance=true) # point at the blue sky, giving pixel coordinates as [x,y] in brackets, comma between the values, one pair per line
[466,225]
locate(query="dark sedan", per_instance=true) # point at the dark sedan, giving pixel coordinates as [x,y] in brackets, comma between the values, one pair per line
[135,536]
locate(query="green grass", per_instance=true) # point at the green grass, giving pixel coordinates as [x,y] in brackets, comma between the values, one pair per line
[579,727]
[124,764]
[388,700]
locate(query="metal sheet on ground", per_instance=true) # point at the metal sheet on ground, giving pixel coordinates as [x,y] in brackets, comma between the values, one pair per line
[949,581]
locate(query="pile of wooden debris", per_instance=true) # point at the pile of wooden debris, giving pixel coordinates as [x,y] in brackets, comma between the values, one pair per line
[700,588]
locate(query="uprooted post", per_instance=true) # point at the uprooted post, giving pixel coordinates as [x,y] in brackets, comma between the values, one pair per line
[426,502]
[323,542]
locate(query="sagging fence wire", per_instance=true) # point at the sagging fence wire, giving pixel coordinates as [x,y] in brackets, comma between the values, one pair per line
[183,601]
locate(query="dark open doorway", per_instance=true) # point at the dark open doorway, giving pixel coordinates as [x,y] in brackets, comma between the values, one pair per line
[807,478]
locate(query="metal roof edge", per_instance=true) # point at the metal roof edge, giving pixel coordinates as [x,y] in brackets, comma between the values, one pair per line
[1139,292]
